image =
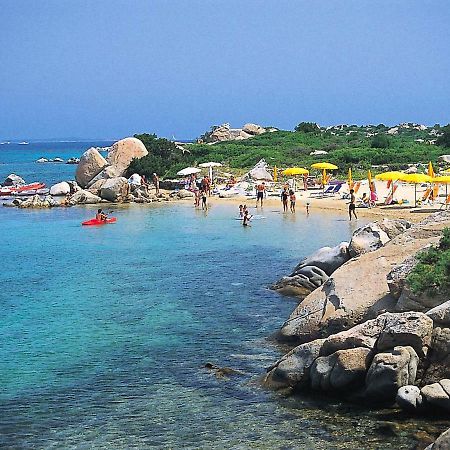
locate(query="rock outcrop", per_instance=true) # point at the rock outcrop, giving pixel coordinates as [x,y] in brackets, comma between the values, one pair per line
[93,167]
[59,189]
[83,197]
[114,189]
[90,165]
[225,133]
[37,202]
[123,152]
[443,441]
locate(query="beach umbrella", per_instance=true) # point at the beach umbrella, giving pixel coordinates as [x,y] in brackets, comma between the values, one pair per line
[275,174]
[390,176]
[415,178]
[210,165]
[294,171]
[430,171]
[188,171]
[324,166]
[350,178]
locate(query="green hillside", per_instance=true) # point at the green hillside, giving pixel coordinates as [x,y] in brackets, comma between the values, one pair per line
[347,146]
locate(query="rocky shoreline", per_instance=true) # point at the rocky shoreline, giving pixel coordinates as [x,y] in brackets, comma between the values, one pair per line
[359,332]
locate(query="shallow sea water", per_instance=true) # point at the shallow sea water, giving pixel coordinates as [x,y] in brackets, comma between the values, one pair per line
[105,332]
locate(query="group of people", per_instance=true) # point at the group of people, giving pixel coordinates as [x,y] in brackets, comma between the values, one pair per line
[244,215]
[288,195]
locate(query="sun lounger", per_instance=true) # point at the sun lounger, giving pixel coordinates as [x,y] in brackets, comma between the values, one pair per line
[330,190]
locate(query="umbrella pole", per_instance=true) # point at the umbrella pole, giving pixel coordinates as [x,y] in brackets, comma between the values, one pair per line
[415,195]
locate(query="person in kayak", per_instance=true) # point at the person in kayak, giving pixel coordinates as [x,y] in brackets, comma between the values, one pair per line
[101,215]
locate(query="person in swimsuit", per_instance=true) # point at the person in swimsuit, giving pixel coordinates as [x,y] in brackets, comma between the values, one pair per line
[246,220]
[241,211]
[260,190]
[293,199]
[101,215]
[284,199]
[155,180]
[352,206]
[204,197]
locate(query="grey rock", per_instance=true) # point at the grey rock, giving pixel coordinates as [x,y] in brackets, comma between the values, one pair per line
[114,189]
[340,369]
[389,371]
[124,151]
[327,259]
[440,314]
[91,163]
[409,301]
[13,180]
[184,193]
[58,189]
[402,329]
[396,278]
[292,370]
[435,394]
[83,197]
[443,441]
[302,283]
[409,397]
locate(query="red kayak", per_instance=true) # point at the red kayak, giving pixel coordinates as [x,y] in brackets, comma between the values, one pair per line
[99,222]
[13,190]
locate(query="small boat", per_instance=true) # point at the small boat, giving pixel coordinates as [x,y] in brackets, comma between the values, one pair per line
[23,143]
[99,222]
[14,190]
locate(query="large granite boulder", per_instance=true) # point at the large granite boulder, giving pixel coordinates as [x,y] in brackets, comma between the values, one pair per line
[221,133]
[13,180]
[389,371]
[444,158]
[83,197]
[396,278]
[90,165]
[96,186]
[342,369]
[327,259]
[124,151]
[37,202]
[292,370]
[411,301]
[441,314]
[437,394]
[405,329]
[58,189]
[253,129]
[107,173]
[438,358]
[305,280]
[375,235]
[409,397]
[184,193]
[114,189]
[443,441]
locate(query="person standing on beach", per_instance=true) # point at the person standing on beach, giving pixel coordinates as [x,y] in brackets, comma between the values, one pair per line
[260,191]
[155,180]
[293,199]
[352,206]
[284,199]
[208,185]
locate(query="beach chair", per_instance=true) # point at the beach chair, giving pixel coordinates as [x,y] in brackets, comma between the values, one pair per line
[446,203]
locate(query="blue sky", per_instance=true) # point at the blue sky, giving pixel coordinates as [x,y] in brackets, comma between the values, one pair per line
[109,68]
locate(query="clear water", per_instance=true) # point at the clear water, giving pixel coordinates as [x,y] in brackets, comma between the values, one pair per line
[105,332]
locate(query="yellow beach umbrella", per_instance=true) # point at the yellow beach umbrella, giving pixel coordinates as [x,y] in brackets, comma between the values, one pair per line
[295,171]
[416,178]
[275,174]
[444,180]
[324,166]
[350,178]
[430,171]
[389,176]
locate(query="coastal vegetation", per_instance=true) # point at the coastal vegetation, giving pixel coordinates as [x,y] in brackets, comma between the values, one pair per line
[359,147]
[432,273]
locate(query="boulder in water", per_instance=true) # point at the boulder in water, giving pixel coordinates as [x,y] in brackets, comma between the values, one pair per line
[13,180]
[62,188]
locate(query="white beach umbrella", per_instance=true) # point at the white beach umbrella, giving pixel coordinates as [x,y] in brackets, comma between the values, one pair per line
[188,171]
[210,165]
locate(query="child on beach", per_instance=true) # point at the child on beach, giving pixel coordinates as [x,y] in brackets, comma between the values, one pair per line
[197,198]
[241,211]
[204,197]
[307,208]
[293,199]
[246,220]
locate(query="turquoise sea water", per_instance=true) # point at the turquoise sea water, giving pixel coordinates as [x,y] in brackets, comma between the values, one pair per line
[105,332]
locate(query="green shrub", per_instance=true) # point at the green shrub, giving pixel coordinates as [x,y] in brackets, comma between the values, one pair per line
[432,273]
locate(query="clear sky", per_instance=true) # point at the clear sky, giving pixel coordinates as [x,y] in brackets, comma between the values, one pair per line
[110,68]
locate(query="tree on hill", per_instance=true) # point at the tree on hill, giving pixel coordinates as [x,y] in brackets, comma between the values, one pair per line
[444,139]
[380,141]
[307,127]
